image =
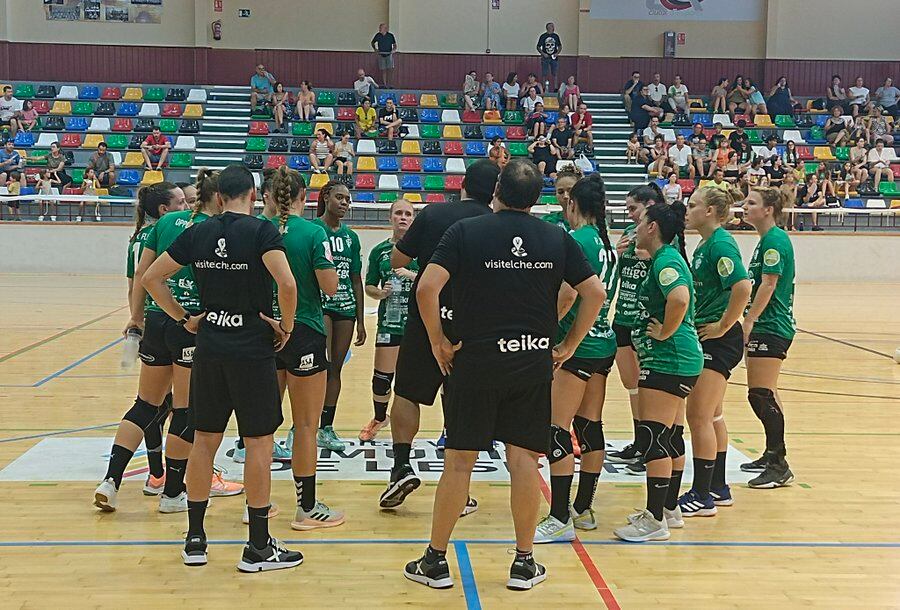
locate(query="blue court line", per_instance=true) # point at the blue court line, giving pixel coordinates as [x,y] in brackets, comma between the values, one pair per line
[58,432]
[467,575]
[76,363]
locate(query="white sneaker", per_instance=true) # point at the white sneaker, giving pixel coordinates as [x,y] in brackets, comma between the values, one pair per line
[674,518]
[53,218]
[41,218]
[551,529]
[585,520]
[178,504]
[98,218]
[78,219]
[106,496]
[642,527]
[470,507]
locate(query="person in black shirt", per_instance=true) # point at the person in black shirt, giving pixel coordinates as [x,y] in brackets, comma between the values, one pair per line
[234,257]
[549,46]
[740,141]
[505,271]
[385,45]
[388,120]
[563,136]
[418,377]
[631,90]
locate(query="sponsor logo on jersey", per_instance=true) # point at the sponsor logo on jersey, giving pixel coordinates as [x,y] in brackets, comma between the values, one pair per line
[221,252]
[446,313]
[187,354]
[306,362]
[525,343]
[771,257]
[327,245]
[225,319]
[667,276]
[517,248]
[725,266]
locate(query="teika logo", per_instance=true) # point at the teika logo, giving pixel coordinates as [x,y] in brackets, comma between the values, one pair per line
[523,344]
[517,248]
[221,252]
[225,319]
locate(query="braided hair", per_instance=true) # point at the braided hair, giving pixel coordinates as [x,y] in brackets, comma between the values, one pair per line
[670,220]
[287,184]
[149,200]
[718,199]
[321,204]
[207,186]
[589,196]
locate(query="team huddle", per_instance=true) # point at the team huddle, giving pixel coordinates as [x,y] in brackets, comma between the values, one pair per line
[516,321]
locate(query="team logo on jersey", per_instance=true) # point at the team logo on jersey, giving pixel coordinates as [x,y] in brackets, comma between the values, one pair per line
[517,248]
[327,247]
[771,257]
[187,354]
[221,252]
[667,276]
[306,362]
[725,266]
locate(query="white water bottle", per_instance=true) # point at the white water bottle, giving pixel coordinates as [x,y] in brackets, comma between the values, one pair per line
[130,348]
[393,313]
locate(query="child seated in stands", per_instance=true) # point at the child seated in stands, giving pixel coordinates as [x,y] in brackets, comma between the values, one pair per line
[534,122]
[29,116]
[633,150]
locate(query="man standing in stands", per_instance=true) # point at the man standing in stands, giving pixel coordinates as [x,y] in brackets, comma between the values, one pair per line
[549,46]
[385,45]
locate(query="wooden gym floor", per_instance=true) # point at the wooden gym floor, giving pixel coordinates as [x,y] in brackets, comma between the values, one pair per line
[826,541]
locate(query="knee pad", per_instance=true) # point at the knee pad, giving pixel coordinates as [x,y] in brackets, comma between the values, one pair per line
[142,414]
[589,434]
[676,441]
[761,400]
[381,383]
[181,426]
[659,440]
[167,402]
[560,444]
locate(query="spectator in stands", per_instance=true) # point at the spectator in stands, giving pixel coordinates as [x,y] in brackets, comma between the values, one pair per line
[388,119]
[321,155]
[672,190]
[343,155]
[679,100]
[788,189]
[859,96]
[859,129]
[535,124]
[859,159]
[14,185]
[659,158]
[811,195]
[563,137]
[570,93]
[740,141]
[718,96]
[511,91]
[306,102]
[490,92]
[780,99]
[719,182]
[697,134]
[656,91]
[544,154]
[532,100]
[498,153]
[366,119]
[633,150]
[836,95]
[471,90]
[880,163]
[365,87]
[737,97]
[756,173]
[721,155]
[768,153]
[29,116]
[756,102]
[531,83]
[104,167]
[733,168]
[631,90]
[702,158]
[155,149]
[89,186]
[791,156]
[582,122]
[278,103]
[775,172]
[642,110]
[846,179]
[11,162]
[260,87]
[681,160]
[10,111]
[887,96]
[836,131]
[549,46]
[716,139]
[56,163]
[385,45]
[651,132]
[879,128]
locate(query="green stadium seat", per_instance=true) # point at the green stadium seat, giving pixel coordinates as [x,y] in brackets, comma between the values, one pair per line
[326,98]
[302,129]
[547,199]
[513,117]
[430,131]
[255,145]
[753,136]
[449,100]
[154,94]
[387,197]
[181,160]
[24,91]
[784,121]
[810,167]
[434,183]
[518,149]
[117,141]
[168,126]
[886,188]
[77,176]
[83,109]
[37,157]
[842,153]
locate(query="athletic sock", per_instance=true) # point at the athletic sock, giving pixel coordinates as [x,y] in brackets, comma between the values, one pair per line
[259,526]
[401,454]
[119,457]
[718,477]
[327,419]
[153,439]
[587,487]
[674,489]
[380,410]
[703,475]
[657,488]
[306,492]
[524,555]
[560,487]
[196,514]
[174,477]
[240,442]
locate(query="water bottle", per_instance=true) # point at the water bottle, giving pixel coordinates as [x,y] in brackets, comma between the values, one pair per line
[130,347]
[393,313]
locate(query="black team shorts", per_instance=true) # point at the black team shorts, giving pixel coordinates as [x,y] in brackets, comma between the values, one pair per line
[153,350]
[623,335]
[418,376]
[676,385]
[585,368]
[724,353]
[304,355]
[766,345]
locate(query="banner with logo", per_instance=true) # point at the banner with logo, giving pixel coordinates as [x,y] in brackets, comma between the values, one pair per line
[679,10]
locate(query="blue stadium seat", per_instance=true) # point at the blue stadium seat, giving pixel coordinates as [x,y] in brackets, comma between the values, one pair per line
[429,115]
[24,139]
[411,182]
[364,197]
[384,97]
[128,109]
[686,133]
[76,123]
[27,190]
[856,204]
[299,163]
[476,149]
[494,131]
[551,117]
[128,177]
[820,119]
[704,119]
[433,164]
[387,164]
[89,92]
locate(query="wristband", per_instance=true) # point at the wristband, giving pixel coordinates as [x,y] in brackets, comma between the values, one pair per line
[287,332]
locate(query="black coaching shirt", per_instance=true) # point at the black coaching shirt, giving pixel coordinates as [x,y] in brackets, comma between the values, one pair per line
[505,271]
[225,254]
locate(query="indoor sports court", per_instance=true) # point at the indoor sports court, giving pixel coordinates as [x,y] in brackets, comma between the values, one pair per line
[177,77]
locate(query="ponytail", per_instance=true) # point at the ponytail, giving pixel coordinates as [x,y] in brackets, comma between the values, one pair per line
[670,220]
[589,195]
[149,200]
[207,186]
[718,199]
[285,188]
[321,204]
[647,194]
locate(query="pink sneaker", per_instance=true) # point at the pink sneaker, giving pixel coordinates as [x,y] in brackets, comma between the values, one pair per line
[220,487]
[154,486]
[372,429]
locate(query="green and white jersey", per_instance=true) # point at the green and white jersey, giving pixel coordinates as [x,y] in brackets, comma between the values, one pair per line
[716,266]
[630,275]
[600,342]
[774,254]
[379,273]
[345,250]
[558,219]
[135,249]
[182,285]
[680,354]
[307,248]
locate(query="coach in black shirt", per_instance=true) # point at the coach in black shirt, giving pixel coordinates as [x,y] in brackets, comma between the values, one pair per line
[505,271]
[418,376]
[234,257]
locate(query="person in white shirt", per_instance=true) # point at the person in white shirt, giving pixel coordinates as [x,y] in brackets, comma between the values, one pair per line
[678,96]
[672,190]
[859,96]
[651,132]
[10,111]
[681,159]
[880,163]
[657,91]
[769,153]
[529,101]
[365,87]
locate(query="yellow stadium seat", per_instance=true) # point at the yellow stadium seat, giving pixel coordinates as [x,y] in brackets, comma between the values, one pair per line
[365,164]
[452,132]
[704,183]
[326,126]
[492,117]
[102,192]
[413,197]
[92,140]
[317,181]
[428,100]
[133,94]
[61,107]
[823,153]
[192,111]
[410,147]
[763,120]
[551,102]
[727,132]
[153,177]
[895,204]
[133,159]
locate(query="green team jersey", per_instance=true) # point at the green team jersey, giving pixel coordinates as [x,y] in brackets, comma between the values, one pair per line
[379,273]
[600,342]
[680,354]
[182,285]
[558,219]
[775,254]
[345,251]
[135,247]
[307,248]
[631,273]
[717,266]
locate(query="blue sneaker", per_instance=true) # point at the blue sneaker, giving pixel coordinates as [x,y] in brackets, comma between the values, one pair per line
[239,454]
[442,441]
[722,497]
[281,453]
[692,505]
[289,439]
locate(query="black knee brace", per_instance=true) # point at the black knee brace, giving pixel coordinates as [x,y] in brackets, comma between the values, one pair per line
[589,434]
[560,444]
[142,414]
[762,400]
[181,425]
[167,402]
[381,383]
[676,441]
[659,440]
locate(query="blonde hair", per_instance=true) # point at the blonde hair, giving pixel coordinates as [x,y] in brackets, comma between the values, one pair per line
[718,199]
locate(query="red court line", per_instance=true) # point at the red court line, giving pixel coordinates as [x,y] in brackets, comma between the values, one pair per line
[136,472]
[589,566]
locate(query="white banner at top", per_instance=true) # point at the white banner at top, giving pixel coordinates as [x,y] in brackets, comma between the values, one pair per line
[679,10]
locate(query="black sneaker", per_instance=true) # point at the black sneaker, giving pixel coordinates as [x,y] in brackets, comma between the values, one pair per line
[636,469]
[431,570]
[625,456]
[194,553]
[271,557]
[525,574]
[758,465]
[403,482]
[775,475]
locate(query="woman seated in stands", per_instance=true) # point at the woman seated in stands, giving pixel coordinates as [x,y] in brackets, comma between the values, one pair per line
[306,102]
[756,101]
[836,128]
[737,97]
[278,102]
[343,155]
[791,157]
[879,128]
[544,154]
[570,94]
[511,91]
[776,172]
[859,157]
[718,95]
[780,99]
[471,90]
[498,153]
[844,178]
[321,154]
[811,195]
[659,157]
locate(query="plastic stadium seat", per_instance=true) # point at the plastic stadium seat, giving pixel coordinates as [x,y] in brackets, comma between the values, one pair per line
[411,164]
[388,197]
[450,116]
[384,97]
[99,124]
[133,94]
[122,124]
[24,91]
[168,126]
[346,98]
[388,182]
[753,136]
[454,182]
[471,116]
[793,134]
[495,131]
[149,109]
[325,113]
[111,93]
[299,163]
[145,125]
[197,96]
[435,198]
[432,147]
[429,115]
[492,117]
[547,200]
[255,145]
[172,110]
[876,204]
[408,99]
[687,186]
[842,153]
[366,147]
[515,133]
[428,100]
[61,107]
[433,164]
[551,118]
[346,114]
[154,94]
[453,148]
[409,147]
[855,204]
[180,159]
[46,92]
[810,167]
[408,115]
[312,196]
[743,117]
[473,132]
[76,123]
[92,140]
[452,132]
[455,166]
[46,139]
[513,117]
[326,126]
[326,98]
[176,94]
[24,139]
[83,108]
[518,149]
[133,159]
[54,123]
[41,106]
[412,131]
[705,119]
[258,128]
[895,169]
[300,145]
[411,182]
[129,109]
[317,181]
[128,177]
[412,197]
[151,177]
[386,147]
[387,164]
[764,120]
[804,153]
[275,161]
[816,135]
[724,119]
[189,126]
[366,164]
[449,100]
[823,153]
[476,149]
[888,188]
[784,121]
[430,131]
[364,198]
[89,92]
[302,129]
[551,102]
[278,145]
[37,157]
[895,204]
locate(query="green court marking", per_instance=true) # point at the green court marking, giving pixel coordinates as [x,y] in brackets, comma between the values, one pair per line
[42,484]
[379,483]
[737,440]
[626,485]
[63,333]
[499,485]
[804,485]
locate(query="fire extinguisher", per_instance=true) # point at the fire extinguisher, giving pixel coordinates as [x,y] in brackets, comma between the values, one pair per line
[217,29]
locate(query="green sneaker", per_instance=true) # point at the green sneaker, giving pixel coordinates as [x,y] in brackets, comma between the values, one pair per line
[585,520]
[280,453]
[327,439]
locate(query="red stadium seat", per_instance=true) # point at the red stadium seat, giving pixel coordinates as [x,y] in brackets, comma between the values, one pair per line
[411,164]
[71,140]
[515,132]
[312,196]
[346,114]
[687,186]
[804,153]
[259,128]
[41,106]
[471,116]
[365,181]
[172,110]
[743,117]
[453,147]
[111,93]
[453,182]
[275,161]
[409,99]
[122,125]
[71,190]
[435,198]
